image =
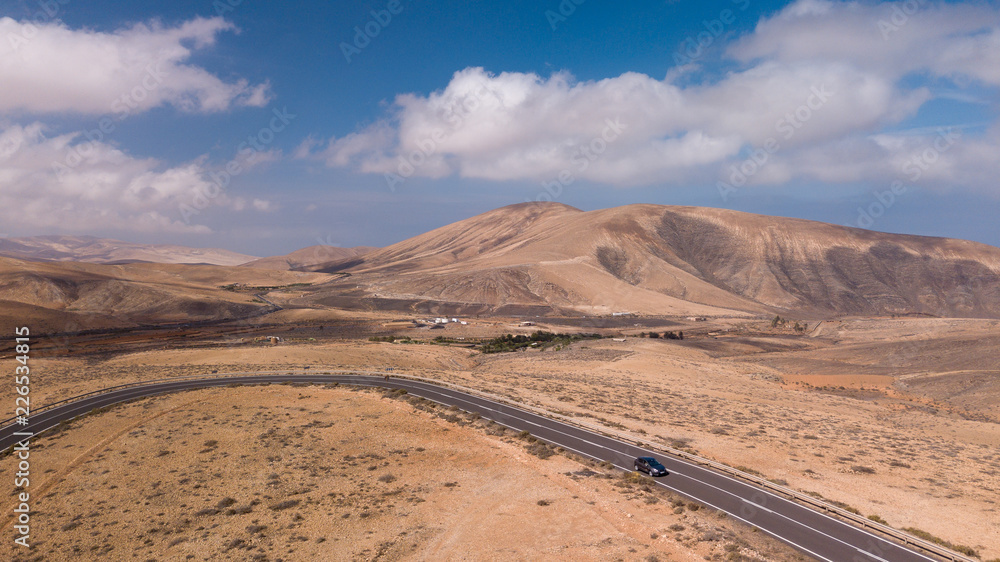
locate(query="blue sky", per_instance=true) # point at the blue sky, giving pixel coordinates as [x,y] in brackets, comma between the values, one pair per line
[879,115]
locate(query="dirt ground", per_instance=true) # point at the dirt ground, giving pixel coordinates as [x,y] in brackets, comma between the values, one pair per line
[329,473]
[895,418]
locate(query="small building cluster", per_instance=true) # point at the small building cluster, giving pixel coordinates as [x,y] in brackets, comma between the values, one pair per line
[446,321]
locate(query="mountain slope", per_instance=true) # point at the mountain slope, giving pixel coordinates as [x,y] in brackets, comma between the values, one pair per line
[104,250]
[307,257]
[668,260]
[69,296]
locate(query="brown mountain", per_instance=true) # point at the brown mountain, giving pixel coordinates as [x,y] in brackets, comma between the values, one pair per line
[688,260]
[56,297]
[104,250]
[308,257]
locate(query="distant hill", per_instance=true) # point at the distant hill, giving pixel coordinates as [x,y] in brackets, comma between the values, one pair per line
[668,260]
[90,249]
[308,257]
[55,297]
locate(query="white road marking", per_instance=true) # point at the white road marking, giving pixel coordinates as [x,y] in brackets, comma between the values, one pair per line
[432,389]
[694,479]
[757,506]
[769,494]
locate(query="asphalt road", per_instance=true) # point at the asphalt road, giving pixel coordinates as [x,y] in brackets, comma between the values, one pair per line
[815,534]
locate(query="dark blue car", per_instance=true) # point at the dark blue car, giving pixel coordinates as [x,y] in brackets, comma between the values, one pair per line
[650,466]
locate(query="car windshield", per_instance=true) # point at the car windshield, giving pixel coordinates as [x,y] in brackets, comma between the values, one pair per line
[655,464]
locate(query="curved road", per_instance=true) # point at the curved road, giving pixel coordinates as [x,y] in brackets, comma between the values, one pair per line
[811,532]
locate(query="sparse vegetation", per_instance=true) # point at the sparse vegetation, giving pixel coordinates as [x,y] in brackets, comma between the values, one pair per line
[966,550]
[539,339]
[540,450]
[391,339]
[666,335]
[792,432]
[244,288]
[283,505]
[292,496]
[779,322]
[225,502]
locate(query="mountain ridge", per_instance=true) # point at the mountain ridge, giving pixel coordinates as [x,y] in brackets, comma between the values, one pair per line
[91,249]
[655,256]
[308,256]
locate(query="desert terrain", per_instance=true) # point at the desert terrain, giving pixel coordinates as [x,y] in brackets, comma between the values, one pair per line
[858,367]
[322,473]
[90,249]
[857,412]
[671,260]
[308,257]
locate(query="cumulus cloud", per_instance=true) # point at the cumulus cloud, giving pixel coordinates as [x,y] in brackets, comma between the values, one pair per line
[823,81]
[48,67]
[892,39]
[625,130]
[67,183]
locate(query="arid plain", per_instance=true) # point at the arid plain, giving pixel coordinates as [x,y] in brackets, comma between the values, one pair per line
[875,425]
[889,410]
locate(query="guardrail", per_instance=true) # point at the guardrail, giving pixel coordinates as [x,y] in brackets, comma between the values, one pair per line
[811,501]
[801,497]
[815,503]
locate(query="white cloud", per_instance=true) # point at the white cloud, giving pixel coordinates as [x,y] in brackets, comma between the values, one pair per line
[823,79]
[521,126]
[892,39]
[49,67]
[940,159]
[64,183]
[250,159]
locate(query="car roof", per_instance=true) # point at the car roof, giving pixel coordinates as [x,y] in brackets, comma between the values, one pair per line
[648,459]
